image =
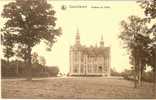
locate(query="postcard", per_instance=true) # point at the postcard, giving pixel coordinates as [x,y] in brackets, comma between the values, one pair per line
[78,49]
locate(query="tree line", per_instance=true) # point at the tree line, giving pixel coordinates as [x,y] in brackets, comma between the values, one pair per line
[17,68]
[139,38]
[128,74]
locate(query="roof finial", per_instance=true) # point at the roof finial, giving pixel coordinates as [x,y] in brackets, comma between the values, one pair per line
[102,42]
[77,37]
[77,34]
[102,37]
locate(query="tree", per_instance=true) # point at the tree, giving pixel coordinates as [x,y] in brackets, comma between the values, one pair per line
[35,58]
[21,52]
[30,22]
[42,60]
[136,39]
[149,7]
[8,46]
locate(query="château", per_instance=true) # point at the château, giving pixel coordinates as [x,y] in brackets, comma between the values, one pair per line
[89,61]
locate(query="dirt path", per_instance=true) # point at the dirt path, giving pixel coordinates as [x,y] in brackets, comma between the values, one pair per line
[77,87]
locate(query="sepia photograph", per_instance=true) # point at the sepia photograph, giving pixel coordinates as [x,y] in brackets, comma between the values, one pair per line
[78,49]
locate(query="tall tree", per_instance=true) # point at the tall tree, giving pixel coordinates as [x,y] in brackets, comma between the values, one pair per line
[136,39]
[30,22]
[149,7]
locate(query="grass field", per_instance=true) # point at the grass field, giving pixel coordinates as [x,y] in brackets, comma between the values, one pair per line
[73,87]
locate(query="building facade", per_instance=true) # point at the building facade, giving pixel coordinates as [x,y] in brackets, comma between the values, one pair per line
[89,61]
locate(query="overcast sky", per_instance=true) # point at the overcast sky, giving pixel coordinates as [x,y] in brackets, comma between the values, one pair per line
[92,23]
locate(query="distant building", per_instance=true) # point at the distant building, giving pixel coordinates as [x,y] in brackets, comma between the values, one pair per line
[93,60]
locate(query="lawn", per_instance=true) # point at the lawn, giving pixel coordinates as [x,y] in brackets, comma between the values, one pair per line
[73,88]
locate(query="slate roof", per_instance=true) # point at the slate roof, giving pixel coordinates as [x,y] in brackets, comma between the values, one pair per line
[93,50]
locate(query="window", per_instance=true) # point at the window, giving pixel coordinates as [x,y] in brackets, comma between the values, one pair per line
[100,69]
[105,68]
[82,59]
[89,68]
[75,69]
[76,56]
[94,68]
[82,69]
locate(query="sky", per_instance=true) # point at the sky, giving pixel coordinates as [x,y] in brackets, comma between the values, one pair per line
[92,22]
